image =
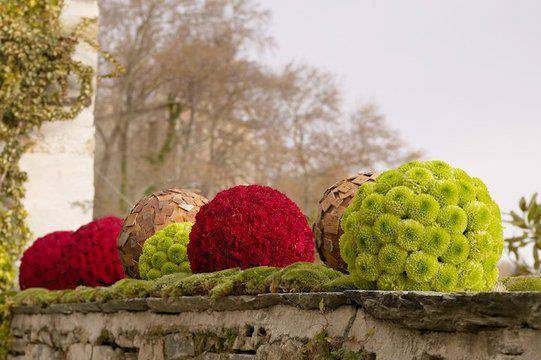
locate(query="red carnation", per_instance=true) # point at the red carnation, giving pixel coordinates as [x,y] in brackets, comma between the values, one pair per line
[44,263]
[247,226]
[93,253]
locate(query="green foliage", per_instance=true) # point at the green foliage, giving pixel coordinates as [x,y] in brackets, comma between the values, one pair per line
[528,223]
[37,72]
[423,226]
[5,317]
[36,67]
[164,252]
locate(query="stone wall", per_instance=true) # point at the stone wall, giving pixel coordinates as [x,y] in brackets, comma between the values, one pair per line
[349,325]
[60,165]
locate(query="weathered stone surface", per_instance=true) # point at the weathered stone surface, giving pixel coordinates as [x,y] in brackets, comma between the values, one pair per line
[178,346]
[307,301]
[452,311]
[79,352]
[367,325]
[127,305]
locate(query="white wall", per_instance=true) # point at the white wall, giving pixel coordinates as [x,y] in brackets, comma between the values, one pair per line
[60,164]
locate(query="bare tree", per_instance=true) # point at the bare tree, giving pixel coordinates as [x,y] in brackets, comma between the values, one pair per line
[195,110]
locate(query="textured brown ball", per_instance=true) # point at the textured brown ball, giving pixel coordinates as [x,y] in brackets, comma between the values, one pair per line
[327,228]
[151,214]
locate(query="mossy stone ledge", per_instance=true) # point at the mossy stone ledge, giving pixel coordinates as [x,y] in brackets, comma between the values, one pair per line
[351,324]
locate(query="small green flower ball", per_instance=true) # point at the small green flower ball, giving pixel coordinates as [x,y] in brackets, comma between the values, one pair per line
[165,252]
[388,180]
[169,268]
[453,219]
[440,169]
[177,253]
[348,249]
[421,267]
[371,208]
[365,239]
[424,208]
[397,201]
[158,259]
[458,250]
[480,244]
[418,179]
[410,234]
[392,259]
[446,279]
[436,241]
[466,192]
[423,226]
[479,216]
[445,192]
[153,274]
[386,228]
[470,275]
[367,267]
[392,282]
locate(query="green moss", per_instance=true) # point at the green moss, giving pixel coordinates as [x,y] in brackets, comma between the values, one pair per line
[342,283]
[522,283]
[198,284]
[325,347]
[37,297]
[302,277]
[213,342]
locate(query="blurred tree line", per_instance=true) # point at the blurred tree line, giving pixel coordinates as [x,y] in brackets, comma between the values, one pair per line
[197,109]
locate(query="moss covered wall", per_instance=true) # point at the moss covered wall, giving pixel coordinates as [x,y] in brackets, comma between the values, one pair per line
[348,325]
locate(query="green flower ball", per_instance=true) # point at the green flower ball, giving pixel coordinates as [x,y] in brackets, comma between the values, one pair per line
[165,252]
[424,226]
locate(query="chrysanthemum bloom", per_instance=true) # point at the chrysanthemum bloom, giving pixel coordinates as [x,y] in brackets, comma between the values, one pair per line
[423,226]
[247,226]
[93,254]
[44,264]
[165,252]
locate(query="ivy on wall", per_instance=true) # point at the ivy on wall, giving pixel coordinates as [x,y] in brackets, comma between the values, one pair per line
[37,76]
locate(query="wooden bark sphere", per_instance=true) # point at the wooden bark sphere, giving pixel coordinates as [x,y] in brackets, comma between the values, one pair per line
[152,213]
[327,228]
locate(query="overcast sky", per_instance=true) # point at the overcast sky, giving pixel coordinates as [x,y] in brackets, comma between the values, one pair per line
[460,79]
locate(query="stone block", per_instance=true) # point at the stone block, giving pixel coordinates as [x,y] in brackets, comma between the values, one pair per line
[79,352]
[178,346]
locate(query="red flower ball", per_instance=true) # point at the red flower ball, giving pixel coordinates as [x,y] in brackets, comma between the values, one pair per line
[93,253]
[247,226]
[66,259]
[43,264]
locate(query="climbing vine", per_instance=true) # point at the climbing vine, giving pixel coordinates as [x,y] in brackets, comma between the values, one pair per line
[38,75]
